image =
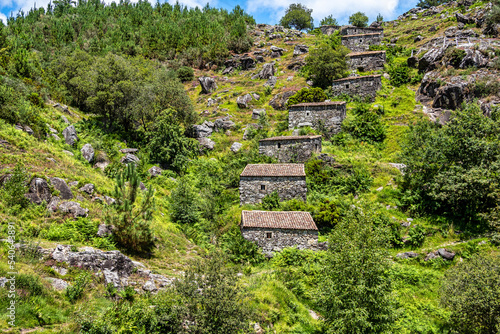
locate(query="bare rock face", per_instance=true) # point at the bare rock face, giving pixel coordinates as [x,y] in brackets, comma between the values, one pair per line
[70,135]
[244,100]
[430,60]
[278,102]
[473,58]
[155,171]
[39,191]
[57,283]
[208,85]
[129,150]
[53,204]
[267,71]
[64,190]
[88,152]
[447,255]
[406,255]
[129,158]
[465,19]
[73,208]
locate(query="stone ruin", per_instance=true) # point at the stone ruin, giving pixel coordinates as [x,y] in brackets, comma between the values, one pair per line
[328,29]
[259,180]
[274,230]
[317,114]
[290,148]
[362,42]
[353,30]
[365,86]
[366,61]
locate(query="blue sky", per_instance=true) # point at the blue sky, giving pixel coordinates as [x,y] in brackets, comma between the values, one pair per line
[265,11]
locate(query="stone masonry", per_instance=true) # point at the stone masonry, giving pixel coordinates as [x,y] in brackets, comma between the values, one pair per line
[366,61]
[275,230]
[328,30]
[290,148]
[353,30]
[327,114]
[259,180]
[366,86]
[360,43]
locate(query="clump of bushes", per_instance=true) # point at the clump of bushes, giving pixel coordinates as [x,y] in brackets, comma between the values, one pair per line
[307,95]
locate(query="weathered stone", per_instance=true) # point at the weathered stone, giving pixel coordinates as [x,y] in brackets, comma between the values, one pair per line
[109,200]
[290,148]
[250,127]
[105,230]
[70,136]
[300,50]
[243,101]
[39,191]
[129,150]
[328,29]
[203,130]
[28,130]
[406,255]
[349,30]
[142,186]
[68,153]
[362,42]
[418,39]
[149,286]
[155,171]
[73,208]
[223,123]
[64,119]
[236,147]
[129,158]
[271,82]
[256,96]
[208,85]
[367,61]
[296,65]
[430,60]
[53,204]
[101,161]
[465,19]
[365,86]
[257,112]
[57,283]
[56,137]
[88,188]
[278,102]
[207,143]
[325,114]
[247,63]
[64,190]
[431,256]
[446,254]
[88,152]
[473,58]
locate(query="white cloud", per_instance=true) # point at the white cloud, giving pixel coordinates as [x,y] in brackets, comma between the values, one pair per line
[3,18]
[341,10]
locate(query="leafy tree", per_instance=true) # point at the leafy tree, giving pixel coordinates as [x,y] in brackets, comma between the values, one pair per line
[185,73]
[366,127]
[214,299]
[380,18]
[327,214]
[356,294]
[168,145]
[329,21]
[307,95]
[453,170]
[297,16]
[132,213]
[184,206]
[358,19]
[325,64]
[470,291]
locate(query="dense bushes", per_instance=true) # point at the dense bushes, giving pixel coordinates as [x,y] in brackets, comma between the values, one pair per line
[307,95]
[326,63]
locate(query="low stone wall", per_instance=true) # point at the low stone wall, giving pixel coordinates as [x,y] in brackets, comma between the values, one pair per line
[359,43]
[254,188]
[280,238]
[327,114]
[290,150]
[353,30]
[367,61]
[366,86]
[328,30]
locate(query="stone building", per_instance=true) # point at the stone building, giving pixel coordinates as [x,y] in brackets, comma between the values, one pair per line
[360,43]
[365,86]
[366,61]
[259,180]
[328,29]
[275,230]
[353,30]
[316,115]
[290,148]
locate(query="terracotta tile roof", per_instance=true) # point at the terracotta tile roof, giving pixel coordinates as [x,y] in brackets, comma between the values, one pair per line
[361,77]
[274,170]
[290,138]
[353,54]
[294,220]
[318,104]
[370,34]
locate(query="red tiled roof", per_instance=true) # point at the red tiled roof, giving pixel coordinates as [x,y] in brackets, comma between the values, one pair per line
[293,220]
[290,138]
[318,104]
[274,170]
[353,54]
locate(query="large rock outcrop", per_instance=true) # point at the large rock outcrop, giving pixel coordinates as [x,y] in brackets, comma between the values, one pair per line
[88,152]
[70,136]
[279,101]
[208,85]
[39,191]
[64,190]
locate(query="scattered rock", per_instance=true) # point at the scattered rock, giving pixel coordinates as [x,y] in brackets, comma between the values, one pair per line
[244,100]
[271,82]
[64,190]
[28,130]
[129,150]
[39,191]
[155,171]
[236,147]
[88,152]
[73,208]
[109,200]
[105,230]
[223,123]
[207,143]
[266,72]
[447,255]
[73,184]
[129,158]
[70,135]
[57,283]
[68,153]
[257,112]
[406,255]
[53,204]
[465,19]
[380,188]
[142,186]
[418,39]
[256,96]
[278,102]
[64,119]
[88,188]
[300,50]
[149,286]
[203,130]
[208,85]
[431,256]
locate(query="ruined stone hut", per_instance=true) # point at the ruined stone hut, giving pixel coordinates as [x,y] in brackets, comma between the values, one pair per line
[327,114]
[365,86]
[275,230]
[259,180]
[290,148]
[367,61]
[360,43]
[328,29]
[353,30]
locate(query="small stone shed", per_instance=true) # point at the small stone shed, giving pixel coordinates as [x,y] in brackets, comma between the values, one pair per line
[275,230]
[328,29]
[365,86]
[353,30]
[259,180]
[328,114]
[360,43]
[367,61]
[290,148]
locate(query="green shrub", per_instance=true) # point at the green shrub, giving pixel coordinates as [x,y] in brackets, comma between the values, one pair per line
[30,285]
[240,250]
[326,63]
[400,74]
[184,203]
[15,188]
[75,291]
[307,95]
[185,73]
[271,201]
[366,127]
[455,56]
[416,236]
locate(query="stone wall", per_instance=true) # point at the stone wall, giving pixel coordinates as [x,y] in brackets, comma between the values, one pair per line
[367,61]
[328,30]
[359,43]
[353,30]
[296,150]
[280,238]
[366,86]
[254,188]
[328,114]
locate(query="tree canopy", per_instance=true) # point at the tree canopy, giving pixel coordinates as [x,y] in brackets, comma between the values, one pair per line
[329,21]
[325,64]
[297,16]
[358,19]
